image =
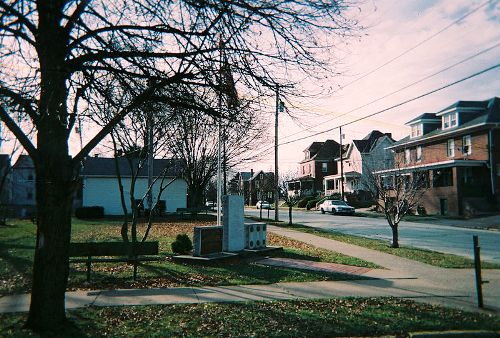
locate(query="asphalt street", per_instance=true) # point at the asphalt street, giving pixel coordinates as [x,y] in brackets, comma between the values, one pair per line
[432,236]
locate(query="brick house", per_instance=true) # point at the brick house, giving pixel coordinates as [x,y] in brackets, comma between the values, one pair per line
[255,186]
[261,187]
[359,159]
[458,148]
[319,161]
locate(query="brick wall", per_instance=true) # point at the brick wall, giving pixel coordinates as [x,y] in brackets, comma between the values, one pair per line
[437,151]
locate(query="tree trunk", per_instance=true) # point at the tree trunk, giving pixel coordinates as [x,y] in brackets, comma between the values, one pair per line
[54,191]
[290,215]
[395,236]
[195,195]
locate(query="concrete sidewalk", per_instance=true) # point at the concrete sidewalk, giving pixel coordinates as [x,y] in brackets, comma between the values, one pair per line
[401,278]
[404,288]
[436,280]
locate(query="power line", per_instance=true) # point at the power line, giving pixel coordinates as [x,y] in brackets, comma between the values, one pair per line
[399,104]
[389,108]
[403,88]
[415,46]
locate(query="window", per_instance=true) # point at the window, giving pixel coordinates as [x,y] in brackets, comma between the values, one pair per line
[407,156]
[419,154]
[453,120]
[416,130]
[466,145]
[388,182]
[450,149]
[442,177]
[450,120]
[324,167]
[468,176]
[261,176]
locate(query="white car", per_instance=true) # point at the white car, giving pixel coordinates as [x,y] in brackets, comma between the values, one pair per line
[263,205]
[336,207]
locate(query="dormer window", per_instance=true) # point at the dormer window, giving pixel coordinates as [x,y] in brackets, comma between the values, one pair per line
[416,130]
[450,120]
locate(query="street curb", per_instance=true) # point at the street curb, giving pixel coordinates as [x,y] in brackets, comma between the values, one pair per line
[453,334]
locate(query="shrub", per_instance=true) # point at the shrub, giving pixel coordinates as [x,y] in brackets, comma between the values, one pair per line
[311,204]
[303,202]
[182,245]
[89,212]
[361,199]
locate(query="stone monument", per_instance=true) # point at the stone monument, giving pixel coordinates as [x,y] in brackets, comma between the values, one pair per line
[233,223]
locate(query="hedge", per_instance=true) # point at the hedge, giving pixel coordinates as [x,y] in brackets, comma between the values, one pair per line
[89,212]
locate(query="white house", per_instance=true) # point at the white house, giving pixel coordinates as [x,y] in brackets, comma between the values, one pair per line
[100,184]
[360,158]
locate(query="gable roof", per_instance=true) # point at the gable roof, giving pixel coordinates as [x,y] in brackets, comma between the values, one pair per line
[245,175]
[366,144]
[102,166]
[325,151]
[256,174]
[24,162]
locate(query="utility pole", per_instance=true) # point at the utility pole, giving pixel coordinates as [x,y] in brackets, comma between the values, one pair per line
[341,166]
[150,127]
[224,162]
[219,122]
[276,184]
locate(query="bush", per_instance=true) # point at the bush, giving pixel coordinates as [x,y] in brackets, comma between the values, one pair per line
[89,212]
[361,199]
[311,204]
[303,202]
[182,245]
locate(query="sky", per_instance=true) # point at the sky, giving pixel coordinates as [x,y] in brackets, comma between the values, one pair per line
[417,29]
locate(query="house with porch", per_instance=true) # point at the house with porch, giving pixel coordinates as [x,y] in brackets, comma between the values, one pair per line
[458,149]
[359,159]
[319,161]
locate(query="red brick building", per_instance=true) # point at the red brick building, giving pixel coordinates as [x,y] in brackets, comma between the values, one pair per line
[459,148]
[319,161]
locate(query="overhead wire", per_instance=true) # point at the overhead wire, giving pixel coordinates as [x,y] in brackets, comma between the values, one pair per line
[417,45]
[403,88]
[391,107]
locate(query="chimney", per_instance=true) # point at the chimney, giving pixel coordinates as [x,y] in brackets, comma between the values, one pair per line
[251,172]
[96,155]
[389,134]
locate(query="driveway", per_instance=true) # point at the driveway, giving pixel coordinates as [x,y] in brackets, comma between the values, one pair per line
[431,235]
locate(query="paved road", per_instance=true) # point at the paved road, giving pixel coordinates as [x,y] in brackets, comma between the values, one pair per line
[437,237]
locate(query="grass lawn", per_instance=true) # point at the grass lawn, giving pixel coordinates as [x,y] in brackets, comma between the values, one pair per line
[17,242]
[299,318]
[421,255]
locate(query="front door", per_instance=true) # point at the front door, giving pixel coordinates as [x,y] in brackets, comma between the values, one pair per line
[444,206]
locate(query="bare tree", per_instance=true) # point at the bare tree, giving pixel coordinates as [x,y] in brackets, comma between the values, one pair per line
[192,137]
[397,192]
[58,55]
[289,197]
[135,159]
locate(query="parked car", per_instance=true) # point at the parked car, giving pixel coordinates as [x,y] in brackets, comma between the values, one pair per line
[336,207]
[210,204]
[263,205]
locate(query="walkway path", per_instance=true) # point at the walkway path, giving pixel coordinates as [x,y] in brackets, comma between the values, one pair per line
[400,278]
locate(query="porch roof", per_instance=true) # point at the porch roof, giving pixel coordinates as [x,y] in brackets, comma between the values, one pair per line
[436,165]
[349,174]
